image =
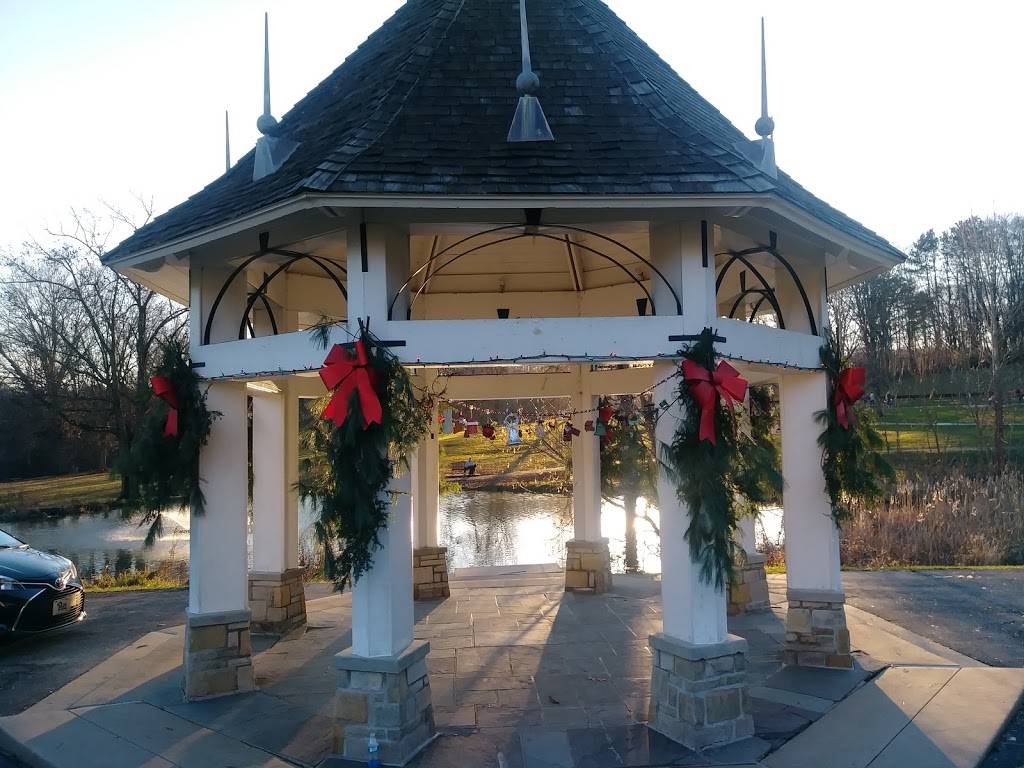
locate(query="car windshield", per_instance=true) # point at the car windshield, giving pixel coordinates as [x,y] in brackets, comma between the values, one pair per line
[7,541]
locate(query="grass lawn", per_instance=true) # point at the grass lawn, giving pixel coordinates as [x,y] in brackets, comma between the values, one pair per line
[907,427]
[494,456]
[69,491]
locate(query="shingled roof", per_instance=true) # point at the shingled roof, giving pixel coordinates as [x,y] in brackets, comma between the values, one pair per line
[423,107]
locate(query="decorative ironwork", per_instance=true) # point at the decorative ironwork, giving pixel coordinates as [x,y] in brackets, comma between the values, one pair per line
[765,291]
[532,231]
[326,265]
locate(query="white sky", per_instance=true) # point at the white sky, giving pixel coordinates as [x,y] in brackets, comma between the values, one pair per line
[905,115]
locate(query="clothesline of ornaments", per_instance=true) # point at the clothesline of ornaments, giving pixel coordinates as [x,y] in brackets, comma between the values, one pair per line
[600,426]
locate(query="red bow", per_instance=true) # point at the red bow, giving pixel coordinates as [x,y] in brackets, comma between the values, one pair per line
[346,373]
[849,389]
[164,389]
[707,387]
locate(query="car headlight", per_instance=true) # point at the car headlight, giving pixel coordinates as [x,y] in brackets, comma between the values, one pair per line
[8,584]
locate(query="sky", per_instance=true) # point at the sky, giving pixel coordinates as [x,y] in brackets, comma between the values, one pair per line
[905,115]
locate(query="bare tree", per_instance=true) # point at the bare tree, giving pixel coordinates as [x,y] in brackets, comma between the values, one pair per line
[77,336]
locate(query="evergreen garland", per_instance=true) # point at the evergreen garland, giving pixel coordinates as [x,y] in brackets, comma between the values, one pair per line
[854,468]
[347,470]
[166,467]
[710,477]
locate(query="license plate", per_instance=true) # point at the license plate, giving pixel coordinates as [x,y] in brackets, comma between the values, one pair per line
[67,604]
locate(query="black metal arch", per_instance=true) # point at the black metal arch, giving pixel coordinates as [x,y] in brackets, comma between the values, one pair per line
[530,231]
[766,295]
[260,293]
[768,292]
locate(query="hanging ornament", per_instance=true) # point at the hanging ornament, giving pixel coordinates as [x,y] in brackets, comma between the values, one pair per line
[447,422]
[605,412]
[589,425]
[512,425]
[540,430]
[569,432]
[601,430]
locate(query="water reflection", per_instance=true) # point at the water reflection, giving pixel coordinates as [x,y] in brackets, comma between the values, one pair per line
[479,528]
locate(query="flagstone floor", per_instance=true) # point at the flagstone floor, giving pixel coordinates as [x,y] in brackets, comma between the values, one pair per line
[522,675]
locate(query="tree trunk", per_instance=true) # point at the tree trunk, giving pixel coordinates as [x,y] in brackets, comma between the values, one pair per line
[632,562]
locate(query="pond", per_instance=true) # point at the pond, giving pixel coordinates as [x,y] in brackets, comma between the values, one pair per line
[479,528]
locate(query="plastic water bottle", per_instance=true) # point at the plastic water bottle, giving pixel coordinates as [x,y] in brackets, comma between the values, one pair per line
[372,748]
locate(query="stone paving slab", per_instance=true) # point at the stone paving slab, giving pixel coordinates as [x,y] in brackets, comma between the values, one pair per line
[958,726]
[857,730]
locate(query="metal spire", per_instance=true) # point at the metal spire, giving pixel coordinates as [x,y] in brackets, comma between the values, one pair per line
[266,123]
[227,143]
[529,122]
[765,126]
[271,150]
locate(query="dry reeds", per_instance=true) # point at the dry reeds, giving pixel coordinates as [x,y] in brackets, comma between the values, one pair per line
[948,519]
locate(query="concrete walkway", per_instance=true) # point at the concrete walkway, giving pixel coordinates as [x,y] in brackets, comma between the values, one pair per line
[522,675]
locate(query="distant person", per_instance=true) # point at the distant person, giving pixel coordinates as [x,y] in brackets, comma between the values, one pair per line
[1020,395]
[470,467]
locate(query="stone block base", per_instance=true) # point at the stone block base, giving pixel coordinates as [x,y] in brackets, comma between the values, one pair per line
[588,566]
[699,693]
[277,601]
[218,655]
[430,573]
[388,698]
[816,633]
[749,590]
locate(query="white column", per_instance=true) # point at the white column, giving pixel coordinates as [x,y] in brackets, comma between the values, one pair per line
[218,573]
[746,535]
[274,468]
[586,467]
[382,607]
[812,539]
[692,610]
[382,600]
[426,485]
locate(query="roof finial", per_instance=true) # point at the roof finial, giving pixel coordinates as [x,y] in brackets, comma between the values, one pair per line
[529,122]
[227,143]
[266,123]
[271,150]
[764,126]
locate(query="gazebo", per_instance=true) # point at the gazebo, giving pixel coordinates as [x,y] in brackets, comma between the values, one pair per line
[570,255]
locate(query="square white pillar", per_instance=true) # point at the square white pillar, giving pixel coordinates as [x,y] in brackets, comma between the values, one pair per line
[426,488]
[746,535]
[586,468]
[811,536]
[218,556]
[382,606]
[275,506]
[692,610]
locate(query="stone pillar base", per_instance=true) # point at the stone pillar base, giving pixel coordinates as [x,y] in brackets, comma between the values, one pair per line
[218,655]
[749,590]
[277,601]
[430,573]
[699,693]
[816,633]
[386,697]
[588,566]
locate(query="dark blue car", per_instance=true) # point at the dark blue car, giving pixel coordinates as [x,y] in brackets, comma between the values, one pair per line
[39,591]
